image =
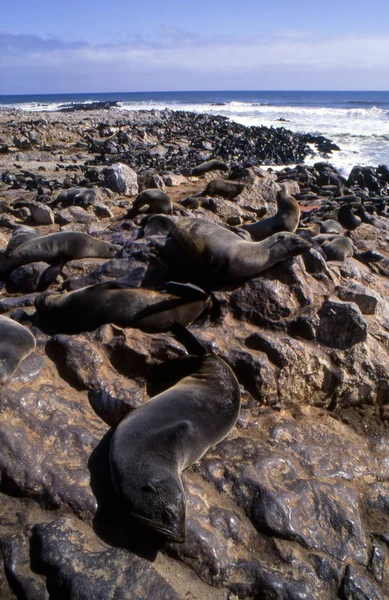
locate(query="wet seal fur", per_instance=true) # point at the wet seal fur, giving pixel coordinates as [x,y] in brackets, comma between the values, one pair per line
[115,302]
[223,256]
[155,442]
[56,248]
[16,343]
[286,218]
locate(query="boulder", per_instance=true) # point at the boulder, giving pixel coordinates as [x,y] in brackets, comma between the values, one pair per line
[121,179]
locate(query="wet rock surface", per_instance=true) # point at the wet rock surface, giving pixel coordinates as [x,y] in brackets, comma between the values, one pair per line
[294,503]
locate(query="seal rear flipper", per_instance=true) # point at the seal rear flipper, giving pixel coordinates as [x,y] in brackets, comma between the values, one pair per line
[185,290]
[110,410]
[189,340]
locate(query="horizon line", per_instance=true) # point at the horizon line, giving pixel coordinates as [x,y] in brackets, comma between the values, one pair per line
[191,92]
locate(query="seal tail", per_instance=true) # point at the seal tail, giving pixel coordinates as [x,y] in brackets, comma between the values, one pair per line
[189,340]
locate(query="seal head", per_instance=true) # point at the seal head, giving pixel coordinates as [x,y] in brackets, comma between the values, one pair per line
[157,500]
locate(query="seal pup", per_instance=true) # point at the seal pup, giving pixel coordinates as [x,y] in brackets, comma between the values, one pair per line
[115,302]
[209,165]
[347,215]
[225,256]
[155,442]
[336,247]
[16,343]
[286,218]
[331,226]
[57,248]
[225,189]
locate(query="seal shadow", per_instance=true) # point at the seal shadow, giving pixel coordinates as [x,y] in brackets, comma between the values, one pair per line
[112,523]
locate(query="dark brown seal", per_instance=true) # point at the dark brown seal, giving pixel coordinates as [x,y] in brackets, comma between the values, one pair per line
[57,247]
[226,257]
[154,443]
[224,189]
[286,218]
[114,302]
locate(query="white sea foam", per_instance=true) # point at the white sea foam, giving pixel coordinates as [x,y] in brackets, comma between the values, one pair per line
[361,133]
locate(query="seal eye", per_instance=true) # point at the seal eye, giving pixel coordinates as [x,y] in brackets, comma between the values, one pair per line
[149,488]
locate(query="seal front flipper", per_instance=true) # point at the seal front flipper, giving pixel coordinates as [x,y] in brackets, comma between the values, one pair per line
[49,276]
[189,340]
[188,291]
[110,410]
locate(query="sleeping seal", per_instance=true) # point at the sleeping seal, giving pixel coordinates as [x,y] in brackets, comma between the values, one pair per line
[210,165]
[224,256]
[286,218]
[332,227]
[155,442]
[16,343]
[336,247]
[114,302]
[224,189]
[55,248]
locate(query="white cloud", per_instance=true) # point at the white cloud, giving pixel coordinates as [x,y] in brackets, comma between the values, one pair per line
[179,51]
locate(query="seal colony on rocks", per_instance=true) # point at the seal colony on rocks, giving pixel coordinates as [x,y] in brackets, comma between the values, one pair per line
[115,302]
[155,442]
[305,339]
[16,343]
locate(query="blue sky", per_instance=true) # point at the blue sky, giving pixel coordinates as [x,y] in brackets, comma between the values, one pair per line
[151,45]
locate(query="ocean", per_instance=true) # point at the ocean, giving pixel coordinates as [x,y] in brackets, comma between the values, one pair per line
[358,122]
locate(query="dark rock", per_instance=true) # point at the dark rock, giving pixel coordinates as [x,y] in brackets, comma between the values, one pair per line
[356,586]
[361,295]
[78,566]
[341,325]
[27,277]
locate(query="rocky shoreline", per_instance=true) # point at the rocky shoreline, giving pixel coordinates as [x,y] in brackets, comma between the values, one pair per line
[294,502]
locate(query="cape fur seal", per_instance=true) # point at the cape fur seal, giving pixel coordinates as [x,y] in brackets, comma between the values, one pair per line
[20,235]
[115,302]
[336,247]
[16,343]
[78,196]
[286,218]
[155,442]
[348,215]
[153,201]
[332,227]
[225,189]
[57,247]
[224,256]
[209,165]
